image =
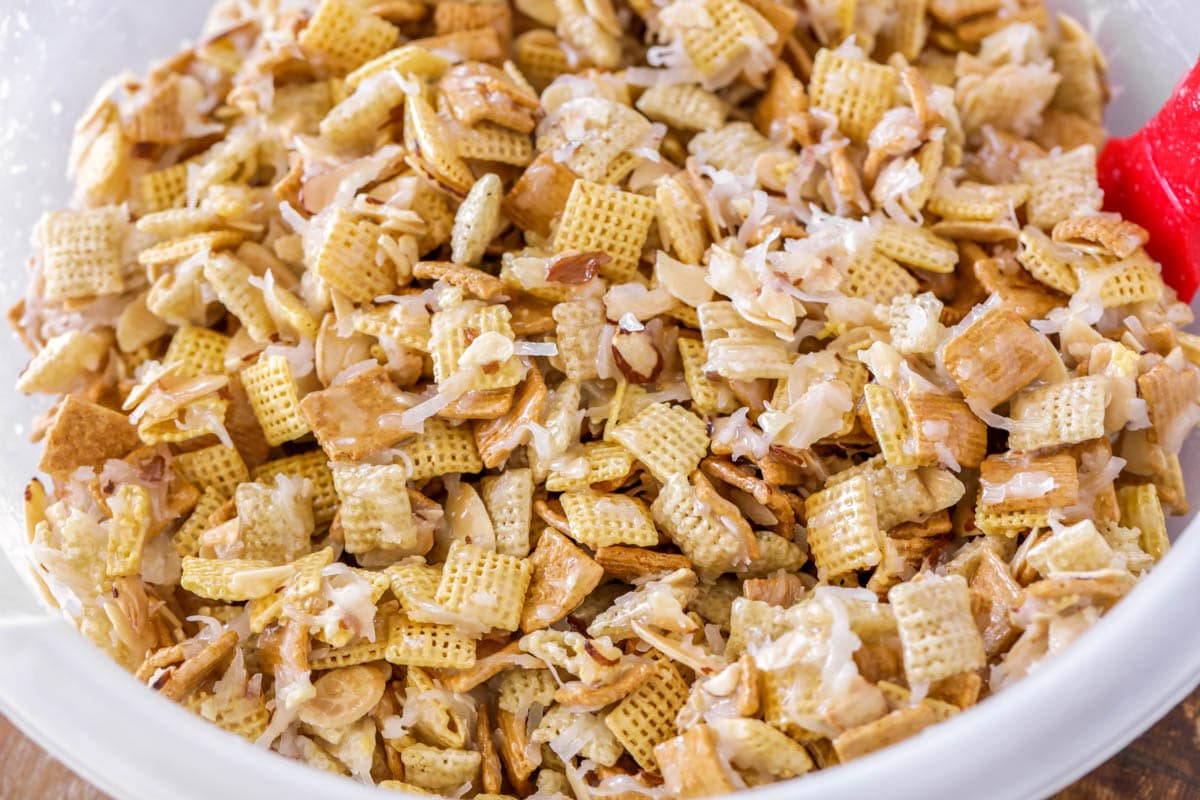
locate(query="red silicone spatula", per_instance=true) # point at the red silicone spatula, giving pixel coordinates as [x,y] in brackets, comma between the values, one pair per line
[1153,178]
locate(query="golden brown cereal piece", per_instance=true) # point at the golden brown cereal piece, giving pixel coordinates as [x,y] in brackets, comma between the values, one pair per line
[706,527]
[1115,235]
[477,44]
[691,765]
[407,60]
[484,586]
[563,575]
[715,50]
[628,563]
[843,529]
[600,218]
[347,259]
[683,106]
[600,520]
[895,727]
[743,478]
[497,438]
[457,15]
[432,151]
[994,356]
[758,748]
[274,397]
[1045,262]
[478,283]
[646,717]
[81,252]
[668,440]
[161,189]
[1066,131]
[1062,186]
[539,195]
[781,590]
[1083,89]
[1061,413]
[358,416]
[345,36]
[877,278]
[679,219]
[1168,394]
[856,92]
[1076,548]
[185,678]
[937,631]
[84,434]
[942,424]
[1142,510]
[1018,482]
[439,769]
[442,448]
[480,92]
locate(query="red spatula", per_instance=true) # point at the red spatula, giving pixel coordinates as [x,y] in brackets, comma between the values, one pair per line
[1153,178]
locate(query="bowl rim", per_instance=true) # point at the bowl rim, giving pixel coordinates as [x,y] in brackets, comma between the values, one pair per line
[60,689]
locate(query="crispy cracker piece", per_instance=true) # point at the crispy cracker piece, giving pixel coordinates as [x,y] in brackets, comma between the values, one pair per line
[937,631]
[475,335]
[744,479]
[81,252]
[843,528]
[892,428]
[358,120]
[994,595]
[186,677]
[484,586]
[161,189]
[994,356]
[1076,548]
[196,351]
[478,283]
[432,151]
[84,434]
[357,417]
[594,698]
[477,93]
[1019,482]
[1061,413]
[496,439]
[345,36]
[562,576]
[691,765]
[608,464]
[601,520]
[709,529]
[646,717]
[629,563]
[1169,393]
[1141,509]
[406,60]
[667,439]
[217,466]
[598,217]
[916,247]
[684,106]
[540,194]
[578,332]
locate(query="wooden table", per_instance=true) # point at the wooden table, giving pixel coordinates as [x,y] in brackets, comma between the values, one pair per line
[1162,765]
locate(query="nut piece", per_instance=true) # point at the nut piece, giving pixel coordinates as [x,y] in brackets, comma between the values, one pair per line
[636,356]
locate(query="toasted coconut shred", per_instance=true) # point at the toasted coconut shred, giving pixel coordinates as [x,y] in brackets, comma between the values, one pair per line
[584,413]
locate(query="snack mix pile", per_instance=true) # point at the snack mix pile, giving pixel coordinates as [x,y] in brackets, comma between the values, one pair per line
[635,399]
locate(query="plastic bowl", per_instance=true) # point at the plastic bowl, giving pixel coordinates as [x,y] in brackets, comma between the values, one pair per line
[1069,715]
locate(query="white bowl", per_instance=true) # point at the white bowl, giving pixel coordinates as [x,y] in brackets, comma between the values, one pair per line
[1065,718]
